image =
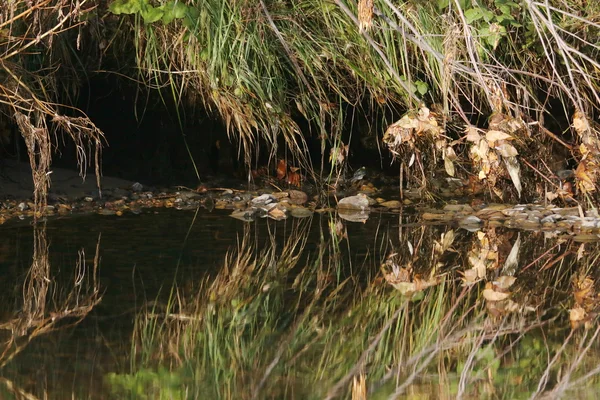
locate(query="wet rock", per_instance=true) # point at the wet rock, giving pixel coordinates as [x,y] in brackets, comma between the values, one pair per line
[391,204]
[358,202]
[277,214]
[300,212]
[437,216]
[106,211]
[278,196]
[464,208]
[244,215]
[263,199]
[298,197]
[470,223]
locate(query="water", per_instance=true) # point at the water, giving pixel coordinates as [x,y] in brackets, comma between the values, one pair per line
[315,309]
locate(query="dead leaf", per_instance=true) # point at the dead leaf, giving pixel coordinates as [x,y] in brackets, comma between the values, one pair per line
[514,170]
[492,295]
[581,251]
[294,178]
[337,155]
[577,314]
[512,260]
[277,214]
[449,166]
[281,169]
[506,150]
[470,276]
[496,136]
[447,239]
[504,282]
[580,123]
[472,134]
[585,177]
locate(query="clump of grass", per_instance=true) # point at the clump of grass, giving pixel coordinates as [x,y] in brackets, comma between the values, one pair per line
[262,67]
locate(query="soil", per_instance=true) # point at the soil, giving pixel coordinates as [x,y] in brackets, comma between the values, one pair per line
[16,182]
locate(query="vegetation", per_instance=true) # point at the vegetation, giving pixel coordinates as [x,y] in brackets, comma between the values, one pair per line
[521,75]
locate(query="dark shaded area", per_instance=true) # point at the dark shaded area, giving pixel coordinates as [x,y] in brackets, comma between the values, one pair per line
[153,140]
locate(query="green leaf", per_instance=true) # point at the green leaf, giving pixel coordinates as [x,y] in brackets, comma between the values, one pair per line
[151,14]
[173,10]
[473,14]
[422,87]
[125,7]
[487,14]
[180,10]
[443,4]
[190,19]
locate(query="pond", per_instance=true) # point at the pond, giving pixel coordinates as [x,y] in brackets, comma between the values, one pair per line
[194,304]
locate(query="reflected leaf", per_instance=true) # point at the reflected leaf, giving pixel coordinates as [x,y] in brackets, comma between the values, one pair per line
[512,261]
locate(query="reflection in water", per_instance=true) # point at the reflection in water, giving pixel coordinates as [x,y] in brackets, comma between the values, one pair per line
[325,308]
[47,305]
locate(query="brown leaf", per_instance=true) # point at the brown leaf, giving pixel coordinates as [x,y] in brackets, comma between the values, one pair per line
[294,178]
[281,169]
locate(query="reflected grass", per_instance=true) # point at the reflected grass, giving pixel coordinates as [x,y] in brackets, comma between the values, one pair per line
[285,319]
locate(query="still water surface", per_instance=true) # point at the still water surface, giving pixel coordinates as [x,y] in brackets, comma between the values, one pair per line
[328,305]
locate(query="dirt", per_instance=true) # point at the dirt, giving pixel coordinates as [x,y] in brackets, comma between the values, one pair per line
[16,182]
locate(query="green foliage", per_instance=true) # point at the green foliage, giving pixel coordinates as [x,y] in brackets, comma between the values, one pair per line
[491,24]
[167,12]
[147,384]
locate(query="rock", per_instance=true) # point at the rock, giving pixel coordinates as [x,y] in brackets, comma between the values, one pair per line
[277,214]
[243,215]
[137,187]
[358,202]
[263,199]
[298,197]
[391,204]
[300,212]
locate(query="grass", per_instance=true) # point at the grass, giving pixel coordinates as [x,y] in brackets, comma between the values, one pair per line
[268,68]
